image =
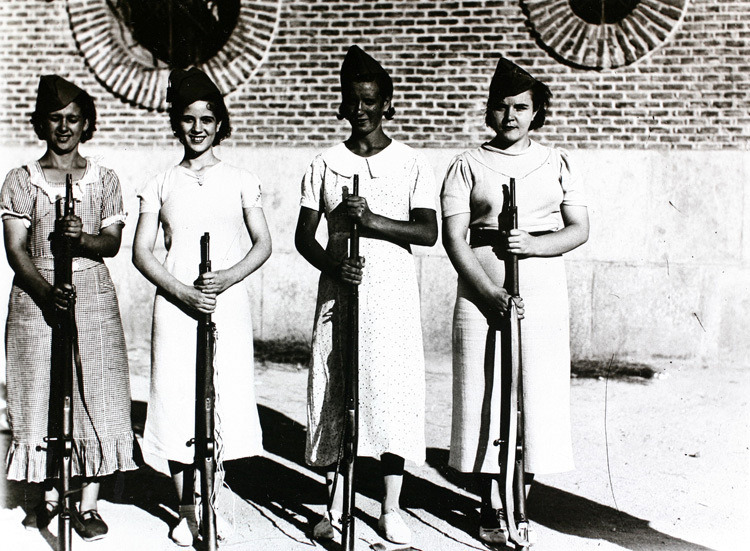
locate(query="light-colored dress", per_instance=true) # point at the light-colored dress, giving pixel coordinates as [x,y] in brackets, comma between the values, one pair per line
[103,437]
[391,357]
[545,179]
[188,206]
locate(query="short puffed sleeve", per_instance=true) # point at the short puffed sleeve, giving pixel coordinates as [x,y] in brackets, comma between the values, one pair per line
[423,191]
[312,183]
[455,197]
[150,194]
[113,209]
[16,197]
[250,190]
[571,181]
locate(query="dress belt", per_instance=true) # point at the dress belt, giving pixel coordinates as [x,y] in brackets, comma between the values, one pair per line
[483,237]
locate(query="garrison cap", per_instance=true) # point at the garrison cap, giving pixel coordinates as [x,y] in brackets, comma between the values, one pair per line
[510,80]
[356,64]
[191,85]
[55,93]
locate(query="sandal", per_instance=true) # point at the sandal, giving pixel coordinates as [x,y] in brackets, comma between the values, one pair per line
[497,533]
[327,527]
[41,515]
[186,531]
[393,527]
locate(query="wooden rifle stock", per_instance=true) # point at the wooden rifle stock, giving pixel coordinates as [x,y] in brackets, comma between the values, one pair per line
[512,453]
[351,374]
[204,412]
[61,443]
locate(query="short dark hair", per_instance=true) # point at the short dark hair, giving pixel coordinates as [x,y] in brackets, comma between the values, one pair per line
[385,87]
[88,111]
[540,97]
[215,104]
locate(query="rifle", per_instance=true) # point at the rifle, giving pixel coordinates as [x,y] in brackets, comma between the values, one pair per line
[62,368]
[204,411]
[512,446]
[351,383]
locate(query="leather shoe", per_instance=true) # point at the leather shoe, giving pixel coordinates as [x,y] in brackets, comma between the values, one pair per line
[89,525]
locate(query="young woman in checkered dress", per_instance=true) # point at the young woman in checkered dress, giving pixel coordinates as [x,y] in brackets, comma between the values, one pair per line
[103,438]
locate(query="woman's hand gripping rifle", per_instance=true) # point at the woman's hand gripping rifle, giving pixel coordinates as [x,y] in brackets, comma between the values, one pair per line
[351,375]
[205,444]
[64,338]
[511,455]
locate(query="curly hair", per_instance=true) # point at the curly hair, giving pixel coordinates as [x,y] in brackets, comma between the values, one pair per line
[540,97]
[385,86]
[88,111]
[215,104]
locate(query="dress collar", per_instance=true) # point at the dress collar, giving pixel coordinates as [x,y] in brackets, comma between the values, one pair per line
[342,161]
[90,176]
[516,165]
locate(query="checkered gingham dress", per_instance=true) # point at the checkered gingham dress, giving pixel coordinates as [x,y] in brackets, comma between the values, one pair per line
[107,445]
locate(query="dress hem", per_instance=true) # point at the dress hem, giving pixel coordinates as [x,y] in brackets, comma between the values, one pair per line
[29,462]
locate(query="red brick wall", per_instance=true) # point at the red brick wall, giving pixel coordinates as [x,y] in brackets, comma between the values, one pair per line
[692,92]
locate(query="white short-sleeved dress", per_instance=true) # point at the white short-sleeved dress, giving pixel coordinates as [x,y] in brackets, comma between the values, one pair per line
[188,206]
[391,356]
[102,433]
[545,180]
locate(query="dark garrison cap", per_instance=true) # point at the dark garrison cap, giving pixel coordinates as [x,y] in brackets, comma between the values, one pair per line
[54,93]
[510,80]
[357,63]
[188,86]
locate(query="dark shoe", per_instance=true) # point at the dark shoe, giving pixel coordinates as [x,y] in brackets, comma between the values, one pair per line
[41,515]
[89,525]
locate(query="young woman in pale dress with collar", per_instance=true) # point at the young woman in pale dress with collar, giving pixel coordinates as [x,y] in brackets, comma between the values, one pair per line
[553,220]
[395,209]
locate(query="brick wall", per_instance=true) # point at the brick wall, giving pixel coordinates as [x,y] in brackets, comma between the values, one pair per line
[692,92]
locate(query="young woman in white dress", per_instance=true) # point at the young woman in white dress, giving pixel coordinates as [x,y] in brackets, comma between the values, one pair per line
[201,194]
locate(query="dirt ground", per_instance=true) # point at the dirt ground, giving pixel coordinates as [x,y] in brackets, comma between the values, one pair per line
[661,464]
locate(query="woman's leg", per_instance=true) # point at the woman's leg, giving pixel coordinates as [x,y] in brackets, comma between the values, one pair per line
[326,527]
[183,478]
[51,495]
[391,524]
[393,478]
[335,490]
[89,494]
[489,491]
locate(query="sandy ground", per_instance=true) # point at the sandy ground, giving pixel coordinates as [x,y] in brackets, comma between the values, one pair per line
[662,464]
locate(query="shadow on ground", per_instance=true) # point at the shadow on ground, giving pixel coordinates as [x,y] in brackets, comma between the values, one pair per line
[574,515]
[277,491]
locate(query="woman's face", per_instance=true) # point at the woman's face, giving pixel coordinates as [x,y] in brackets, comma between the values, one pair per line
[363,107]
[62,129]
[512,116]
[198,127]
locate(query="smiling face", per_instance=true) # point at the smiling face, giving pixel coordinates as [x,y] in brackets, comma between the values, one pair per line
[364,107]
[198,127]
[511,118]
[63,129]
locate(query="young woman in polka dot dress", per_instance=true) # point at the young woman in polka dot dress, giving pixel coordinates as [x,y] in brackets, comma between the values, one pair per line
[395,209]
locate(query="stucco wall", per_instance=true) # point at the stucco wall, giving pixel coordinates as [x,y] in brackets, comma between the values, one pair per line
[664,276]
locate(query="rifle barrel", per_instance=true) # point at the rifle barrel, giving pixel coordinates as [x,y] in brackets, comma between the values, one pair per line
[204,410]
[352,395]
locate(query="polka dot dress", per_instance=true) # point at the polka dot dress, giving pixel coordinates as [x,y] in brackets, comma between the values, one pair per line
[391,357]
